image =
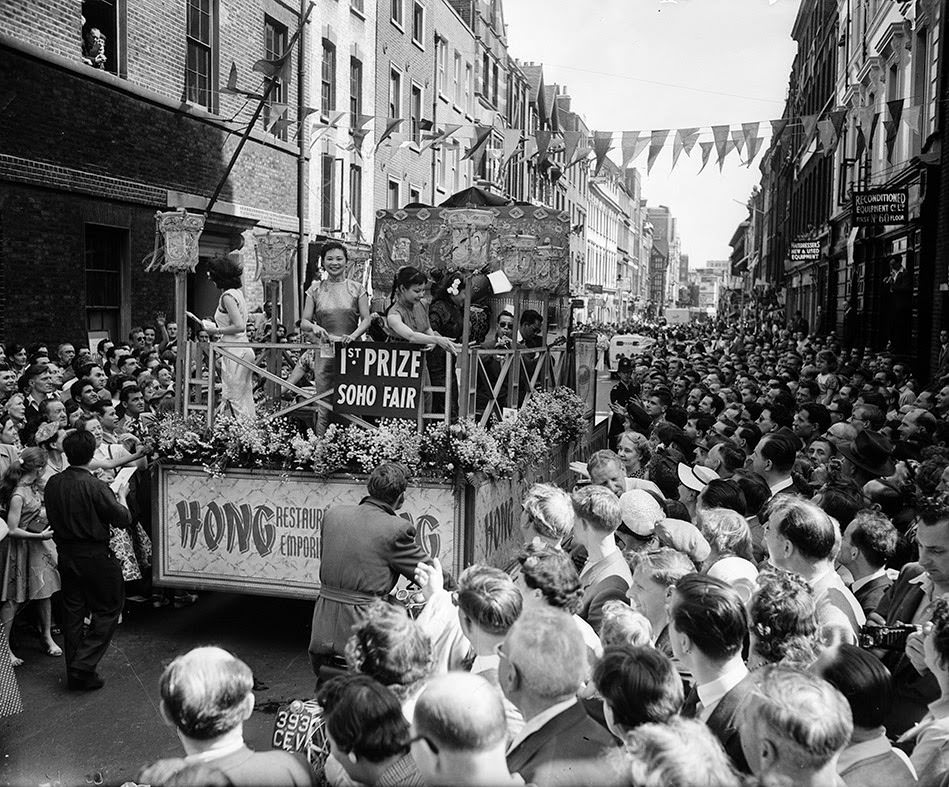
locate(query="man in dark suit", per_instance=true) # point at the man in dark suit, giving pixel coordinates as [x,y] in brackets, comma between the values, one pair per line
[909,600]
[620,394]
[543,664]
[707,628]
[867,545]
[366,548]
[81,509]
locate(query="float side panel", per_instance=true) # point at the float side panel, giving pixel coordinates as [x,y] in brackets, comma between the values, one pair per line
[260,532]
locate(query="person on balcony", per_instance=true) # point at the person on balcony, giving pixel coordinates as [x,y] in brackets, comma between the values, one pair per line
[230,323]
[336,309]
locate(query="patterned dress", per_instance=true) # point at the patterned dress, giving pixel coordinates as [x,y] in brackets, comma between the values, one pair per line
[29,570]
[336,310]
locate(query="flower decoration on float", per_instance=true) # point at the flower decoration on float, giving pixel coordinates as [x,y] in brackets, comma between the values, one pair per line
[515,445]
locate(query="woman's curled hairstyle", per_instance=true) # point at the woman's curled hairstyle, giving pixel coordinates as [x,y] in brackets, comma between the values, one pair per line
[388,645]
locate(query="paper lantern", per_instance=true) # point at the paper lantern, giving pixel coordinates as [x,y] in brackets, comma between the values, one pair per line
[180,232]
[518,258]
[276,254]
[471,238]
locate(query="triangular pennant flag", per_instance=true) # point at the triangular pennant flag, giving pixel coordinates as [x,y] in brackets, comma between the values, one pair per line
[892,128]
[729,147]
[476,151]
[631,147]
[720,133]
[440,136]
[750,133]
[280,126]
[828,139]
[231,86]
[391,125]
[571,139]
[912,117]
[602,144]
[358,135]
[838,117]
[272,68]
[752,146]
[738,139]
[684,140]
[706,150]
[810,125]
[361,121]
[510,142]
[777,127]
[866,122]
[232,78]
[896,110]
[657,139]
[543,142]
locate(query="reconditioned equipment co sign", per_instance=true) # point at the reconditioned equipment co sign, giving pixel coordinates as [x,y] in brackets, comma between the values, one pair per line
[379,378]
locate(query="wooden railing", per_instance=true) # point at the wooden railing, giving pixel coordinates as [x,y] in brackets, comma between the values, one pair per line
[513,376]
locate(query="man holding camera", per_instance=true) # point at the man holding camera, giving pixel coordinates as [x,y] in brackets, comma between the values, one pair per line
[909,601]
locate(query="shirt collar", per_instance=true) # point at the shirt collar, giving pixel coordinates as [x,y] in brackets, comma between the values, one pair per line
[712,692]
[485,663]
[227,744]
[371,501]
[781,485]
[925,583]
[534,723]
[859,583]
[863,751]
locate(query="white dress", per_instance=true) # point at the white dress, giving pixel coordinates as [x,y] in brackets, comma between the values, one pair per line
[237,381]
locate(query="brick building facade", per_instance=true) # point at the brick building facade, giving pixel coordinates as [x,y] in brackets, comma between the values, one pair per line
[90,154]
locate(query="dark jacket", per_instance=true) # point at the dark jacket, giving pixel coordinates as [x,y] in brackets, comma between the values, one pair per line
[871,594]
[365,549]
[81,508]
[724,719]
[571,735]
[912,692]
[612,588]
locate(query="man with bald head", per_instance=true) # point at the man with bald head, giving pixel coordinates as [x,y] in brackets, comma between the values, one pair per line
[206,696]
[459,732]
[543,664]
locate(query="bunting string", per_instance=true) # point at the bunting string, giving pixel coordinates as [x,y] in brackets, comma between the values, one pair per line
[479,139]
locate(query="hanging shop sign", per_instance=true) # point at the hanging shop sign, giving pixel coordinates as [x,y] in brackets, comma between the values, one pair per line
[872,207]
[379,379]
[805,251]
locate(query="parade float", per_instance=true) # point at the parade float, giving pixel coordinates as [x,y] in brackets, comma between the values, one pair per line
[238,503]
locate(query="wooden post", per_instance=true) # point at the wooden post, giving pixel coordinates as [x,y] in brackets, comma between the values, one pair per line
[464,385]
[273,356]
[181,355]
[546,359]
[514,371]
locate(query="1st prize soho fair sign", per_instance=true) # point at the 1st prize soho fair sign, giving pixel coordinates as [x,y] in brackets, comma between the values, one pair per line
[379,379]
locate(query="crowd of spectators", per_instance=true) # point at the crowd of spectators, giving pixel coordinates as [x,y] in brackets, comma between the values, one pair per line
[746,587]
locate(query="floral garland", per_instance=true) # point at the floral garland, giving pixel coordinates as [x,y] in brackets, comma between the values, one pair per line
[546,420]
